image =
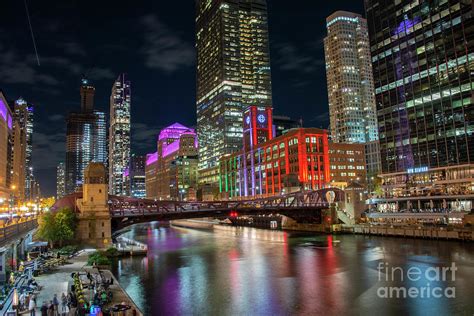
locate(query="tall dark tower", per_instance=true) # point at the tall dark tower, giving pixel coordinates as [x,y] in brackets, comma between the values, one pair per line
[87,95]
[233,72]
[86,138]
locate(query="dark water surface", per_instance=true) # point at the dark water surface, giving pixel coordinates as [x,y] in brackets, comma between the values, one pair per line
[247,271]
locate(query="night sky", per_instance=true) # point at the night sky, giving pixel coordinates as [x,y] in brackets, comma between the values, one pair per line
[152,41]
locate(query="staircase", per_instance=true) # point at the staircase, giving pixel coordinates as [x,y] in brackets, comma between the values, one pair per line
[344,218]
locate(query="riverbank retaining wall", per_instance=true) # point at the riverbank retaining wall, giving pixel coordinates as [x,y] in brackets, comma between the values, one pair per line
[414,232]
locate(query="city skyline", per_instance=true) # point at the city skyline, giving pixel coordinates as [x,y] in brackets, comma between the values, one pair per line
[237,157]
[297,69]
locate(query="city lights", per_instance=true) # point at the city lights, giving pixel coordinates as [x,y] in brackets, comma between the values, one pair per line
[275,153]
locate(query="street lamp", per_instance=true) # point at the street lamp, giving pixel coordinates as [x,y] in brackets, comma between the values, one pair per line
[12,198]
[181,194]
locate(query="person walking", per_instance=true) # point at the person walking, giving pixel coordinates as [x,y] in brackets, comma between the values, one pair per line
[32,306]
[44,309]
[22,301]
[63,304]
[51,308]
[56,305]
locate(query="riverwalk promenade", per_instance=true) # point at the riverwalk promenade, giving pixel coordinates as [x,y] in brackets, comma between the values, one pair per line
[59,281]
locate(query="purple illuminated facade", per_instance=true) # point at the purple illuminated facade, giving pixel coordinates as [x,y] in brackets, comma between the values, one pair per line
[3,110]
[171,171]
[151,158]
[10,160]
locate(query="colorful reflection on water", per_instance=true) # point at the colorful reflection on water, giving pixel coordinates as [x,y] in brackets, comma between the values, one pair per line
[247,271]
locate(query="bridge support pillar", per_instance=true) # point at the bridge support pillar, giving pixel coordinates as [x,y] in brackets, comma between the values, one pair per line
[3,268]
[21,250]
[95,231]
[14,256]
[94,226]
[289,223]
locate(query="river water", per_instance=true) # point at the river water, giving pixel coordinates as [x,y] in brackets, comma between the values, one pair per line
[248,271]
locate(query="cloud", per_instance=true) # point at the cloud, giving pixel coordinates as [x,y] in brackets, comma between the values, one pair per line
[300,83]
[48,149]
[164,49]
[73,48]
[98,73]
[16,70]
[289,58]
[322,119]
[144,136]
[61,62]
[56,117]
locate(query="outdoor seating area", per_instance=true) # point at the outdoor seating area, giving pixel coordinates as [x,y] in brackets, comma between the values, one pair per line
[45,263]
[21,286]
[92,293]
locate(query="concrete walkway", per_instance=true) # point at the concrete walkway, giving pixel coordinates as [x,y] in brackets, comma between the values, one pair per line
[57,281]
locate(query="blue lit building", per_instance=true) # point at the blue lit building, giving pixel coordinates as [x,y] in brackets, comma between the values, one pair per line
[86,138]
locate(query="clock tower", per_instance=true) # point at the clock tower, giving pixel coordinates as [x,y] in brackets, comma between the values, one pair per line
[257,126]
[258,129]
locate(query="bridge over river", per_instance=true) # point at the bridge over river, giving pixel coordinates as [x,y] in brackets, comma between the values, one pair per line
[100,214]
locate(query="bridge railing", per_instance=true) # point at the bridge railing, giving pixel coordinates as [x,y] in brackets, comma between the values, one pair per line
[9,231]
[305,199]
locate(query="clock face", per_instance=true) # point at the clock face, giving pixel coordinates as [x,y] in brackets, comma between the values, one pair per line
[261,118]
[247,120]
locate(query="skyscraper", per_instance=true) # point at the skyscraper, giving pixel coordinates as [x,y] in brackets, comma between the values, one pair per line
[119,134]
[23,118]
[87,92]
[422,58]
[135,177]
[86,138]
[350,84]
[233,72]
[60,180]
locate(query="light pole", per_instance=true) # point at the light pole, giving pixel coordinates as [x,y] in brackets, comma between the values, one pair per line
[181,194]
[12,200]
[12,195]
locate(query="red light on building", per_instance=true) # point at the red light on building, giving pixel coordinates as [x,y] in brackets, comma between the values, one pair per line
[297,160]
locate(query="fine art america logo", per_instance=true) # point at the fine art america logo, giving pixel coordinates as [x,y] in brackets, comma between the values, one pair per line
[424,282]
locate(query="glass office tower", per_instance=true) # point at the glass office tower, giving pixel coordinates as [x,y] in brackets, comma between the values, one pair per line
[119,134]
[233,72]
[350,85]
[423,63]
